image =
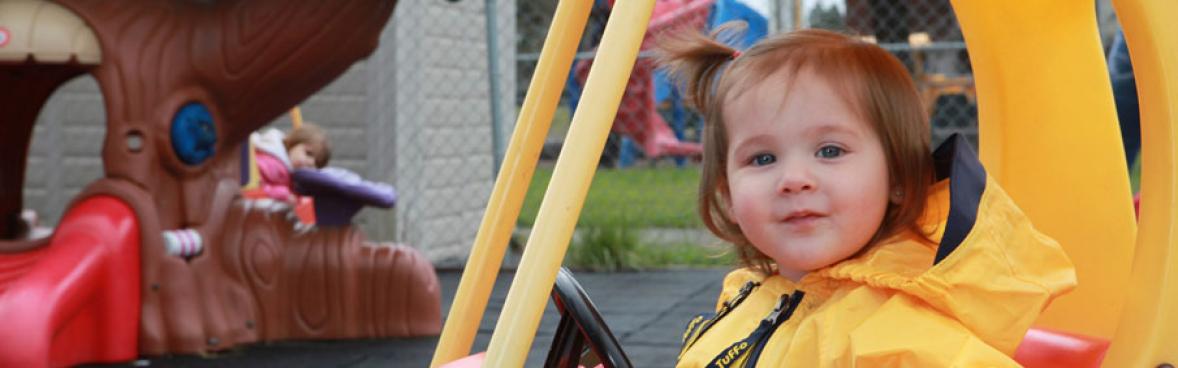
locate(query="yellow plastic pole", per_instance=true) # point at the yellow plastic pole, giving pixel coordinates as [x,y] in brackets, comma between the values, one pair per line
[535,117]
[570,183]
[296,117]
[1149,324]
[796,15]
[1048,134]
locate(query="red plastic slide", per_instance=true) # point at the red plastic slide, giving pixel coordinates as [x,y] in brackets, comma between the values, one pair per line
[76,299]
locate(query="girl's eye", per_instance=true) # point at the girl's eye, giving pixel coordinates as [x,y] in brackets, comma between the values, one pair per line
[762,159]
[830,152]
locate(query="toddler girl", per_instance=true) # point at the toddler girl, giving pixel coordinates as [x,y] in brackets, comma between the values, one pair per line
[859,247]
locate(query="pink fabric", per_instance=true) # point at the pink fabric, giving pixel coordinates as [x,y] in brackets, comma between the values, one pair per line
[274,177]
[637,116]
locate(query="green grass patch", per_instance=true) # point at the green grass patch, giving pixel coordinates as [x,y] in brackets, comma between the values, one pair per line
[561,119]
[637,197]
[615,248]
[609,248]
[619,205]
[683,255]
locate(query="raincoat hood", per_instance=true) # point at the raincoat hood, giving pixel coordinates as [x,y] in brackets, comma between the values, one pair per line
[988,267]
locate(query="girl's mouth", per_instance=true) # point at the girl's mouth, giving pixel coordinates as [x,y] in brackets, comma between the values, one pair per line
[803,217]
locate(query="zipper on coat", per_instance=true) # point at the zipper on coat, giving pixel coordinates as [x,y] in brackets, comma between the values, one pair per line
[744,353]
[699,324]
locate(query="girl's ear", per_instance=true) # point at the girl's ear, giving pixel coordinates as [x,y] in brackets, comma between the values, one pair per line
[896,196]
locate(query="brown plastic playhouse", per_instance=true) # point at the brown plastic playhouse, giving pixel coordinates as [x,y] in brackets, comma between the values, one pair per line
[259,276]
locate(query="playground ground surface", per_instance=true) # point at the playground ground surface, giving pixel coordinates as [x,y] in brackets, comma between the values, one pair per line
[646,311]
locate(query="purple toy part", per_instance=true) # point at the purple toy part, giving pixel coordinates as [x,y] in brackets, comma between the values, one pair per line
[339,194]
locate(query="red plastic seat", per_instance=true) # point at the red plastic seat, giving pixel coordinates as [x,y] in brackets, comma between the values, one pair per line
[1046,348]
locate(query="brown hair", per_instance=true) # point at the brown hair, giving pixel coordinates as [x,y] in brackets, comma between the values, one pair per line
[868,77]
[315,138]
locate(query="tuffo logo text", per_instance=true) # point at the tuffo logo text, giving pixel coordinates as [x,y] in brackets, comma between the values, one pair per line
[732,355]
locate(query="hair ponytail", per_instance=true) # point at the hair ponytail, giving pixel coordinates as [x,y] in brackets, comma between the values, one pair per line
[694,61]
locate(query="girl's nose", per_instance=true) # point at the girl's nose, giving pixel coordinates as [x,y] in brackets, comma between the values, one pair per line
[795,179]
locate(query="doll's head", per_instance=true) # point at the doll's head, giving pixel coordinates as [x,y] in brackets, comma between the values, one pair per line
[308,146]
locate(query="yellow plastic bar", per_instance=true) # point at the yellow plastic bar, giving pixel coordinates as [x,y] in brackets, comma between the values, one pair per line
[519,163]
[1048,134]
[1149,324]
[296,117]
[570,183]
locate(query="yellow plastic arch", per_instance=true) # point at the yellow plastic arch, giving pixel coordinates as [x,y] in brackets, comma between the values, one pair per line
[1048,133]
[1148,327]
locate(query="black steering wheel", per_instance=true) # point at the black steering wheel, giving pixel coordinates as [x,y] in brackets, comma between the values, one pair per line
[581,328]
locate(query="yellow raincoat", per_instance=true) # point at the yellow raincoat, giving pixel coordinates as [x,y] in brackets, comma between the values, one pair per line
[964,301]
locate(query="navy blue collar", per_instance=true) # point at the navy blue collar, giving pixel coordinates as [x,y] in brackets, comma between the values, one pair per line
[956,160]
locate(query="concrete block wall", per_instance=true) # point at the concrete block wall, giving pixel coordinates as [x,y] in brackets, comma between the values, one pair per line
[442,156]
[66,152]
[416,114]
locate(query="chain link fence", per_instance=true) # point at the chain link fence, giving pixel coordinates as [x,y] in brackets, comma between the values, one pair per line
[439,113]
[925,36]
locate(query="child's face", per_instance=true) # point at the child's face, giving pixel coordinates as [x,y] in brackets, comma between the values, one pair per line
[302,156]
[807,176]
